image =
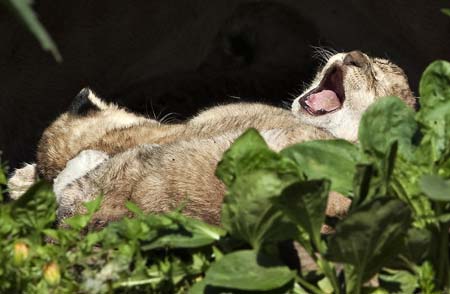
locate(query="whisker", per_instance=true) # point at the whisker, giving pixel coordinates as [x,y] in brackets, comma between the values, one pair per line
[322,53]
[167,118]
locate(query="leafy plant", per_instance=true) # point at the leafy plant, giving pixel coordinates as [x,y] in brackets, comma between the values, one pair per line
[394,239]
[24,11]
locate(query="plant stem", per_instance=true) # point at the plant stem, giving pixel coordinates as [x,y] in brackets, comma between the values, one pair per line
[352,280]
[443,273]
[308,285]
[324,266]
[329,272]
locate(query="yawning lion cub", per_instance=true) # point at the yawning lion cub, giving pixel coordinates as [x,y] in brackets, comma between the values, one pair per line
[97,147]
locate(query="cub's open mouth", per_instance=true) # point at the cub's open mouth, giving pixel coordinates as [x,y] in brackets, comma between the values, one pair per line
[329,96]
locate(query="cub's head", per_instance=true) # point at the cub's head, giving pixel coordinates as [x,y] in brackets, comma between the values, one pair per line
[344,89]
[87,119]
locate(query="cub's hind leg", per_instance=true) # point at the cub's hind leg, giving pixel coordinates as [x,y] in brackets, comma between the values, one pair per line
[114,178]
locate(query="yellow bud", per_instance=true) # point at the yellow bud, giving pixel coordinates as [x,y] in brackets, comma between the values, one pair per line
[52,274]
[21,252]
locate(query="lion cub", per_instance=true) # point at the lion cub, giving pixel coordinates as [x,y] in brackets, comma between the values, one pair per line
[99,148]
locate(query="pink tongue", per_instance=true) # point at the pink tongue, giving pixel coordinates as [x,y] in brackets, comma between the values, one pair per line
[324,100]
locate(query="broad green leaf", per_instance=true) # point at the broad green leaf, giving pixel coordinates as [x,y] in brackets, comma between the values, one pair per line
[419,243]
[305,204]
[398,281]
[384,122]
[198,288]
[370,236]
[250,271]
[250,153]
[254,176]
[249,213]
[325,285]
[434,114]
[236,159]
[24,11]
[331,159]
[436,188]
[434,86]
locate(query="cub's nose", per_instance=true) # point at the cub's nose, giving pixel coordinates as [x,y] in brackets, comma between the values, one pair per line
[355,58]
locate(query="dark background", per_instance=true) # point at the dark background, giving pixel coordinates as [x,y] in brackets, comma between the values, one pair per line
[160,57]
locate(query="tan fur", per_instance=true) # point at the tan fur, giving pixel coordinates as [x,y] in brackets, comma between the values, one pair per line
[113,130]
[21,180]
[161,166]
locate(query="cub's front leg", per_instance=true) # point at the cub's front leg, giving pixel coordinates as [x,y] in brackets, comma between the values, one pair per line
[92,174]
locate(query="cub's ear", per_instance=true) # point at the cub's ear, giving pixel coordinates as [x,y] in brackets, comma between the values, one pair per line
[86,101]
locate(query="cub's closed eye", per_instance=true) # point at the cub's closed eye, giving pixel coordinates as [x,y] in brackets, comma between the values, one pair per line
[353,63]
[355,58]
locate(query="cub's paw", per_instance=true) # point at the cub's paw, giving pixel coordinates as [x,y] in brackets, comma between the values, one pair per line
[22,179]
[77,168]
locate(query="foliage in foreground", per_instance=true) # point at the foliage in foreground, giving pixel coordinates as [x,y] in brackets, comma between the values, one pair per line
[24,11]
[396,232]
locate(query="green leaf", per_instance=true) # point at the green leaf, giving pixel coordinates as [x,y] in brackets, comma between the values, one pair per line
[94,205]
[397,281]
[24,11]
[79,222]
[331,159]
[245,154]
[36,208]
[384,122]
[184,233]
[363,186]
[250,153]
[134,209]
[254,176]
[446,11]
[436,188]
[444,218]
[250,271]
[434,114]
[370,236]
[375,179]
[406,184]
[305,204]
[198,288]
[434,85]
[419,243]
[427,276]
[2,175]
[249,213]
